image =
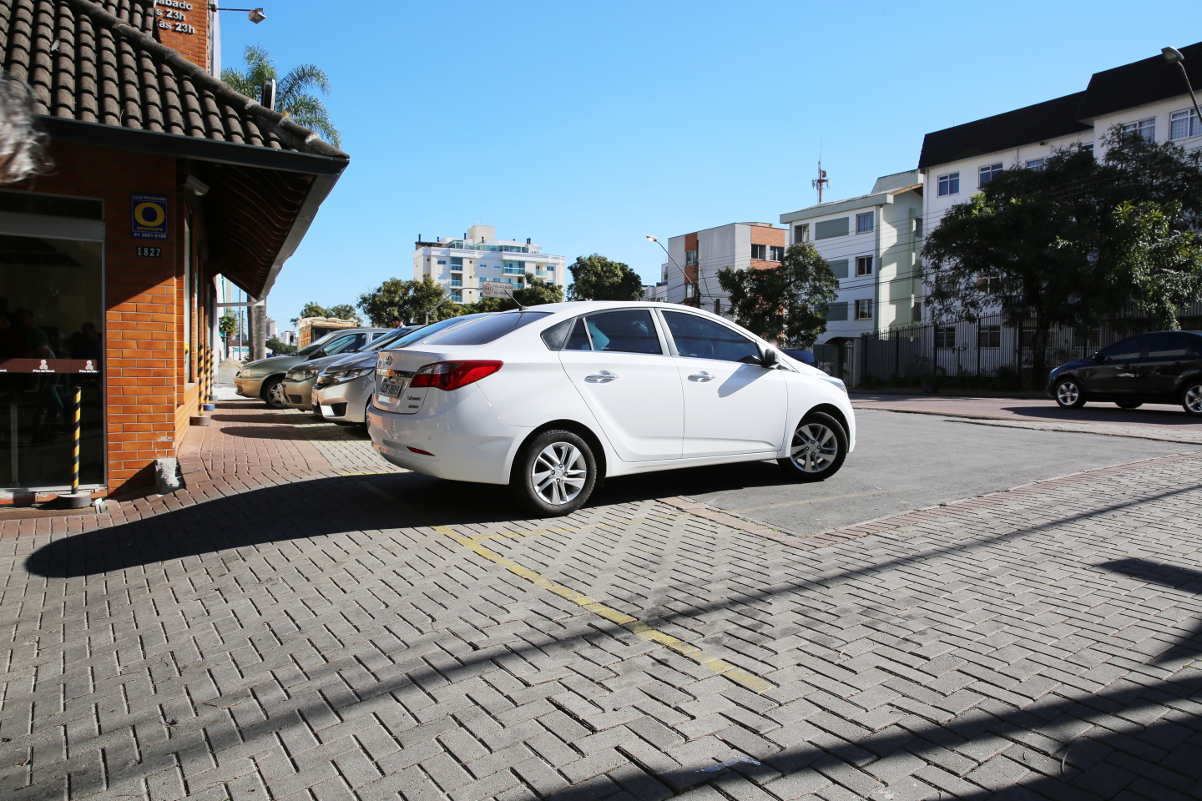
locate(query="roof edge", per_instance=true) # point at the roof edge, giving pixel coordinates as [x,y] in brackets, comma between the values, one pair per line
[839,206]
[308,140]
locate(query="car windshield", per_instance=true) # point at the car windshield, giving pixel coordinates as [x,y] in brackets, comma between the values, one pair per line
[491,329]
[389,338]
[317,344]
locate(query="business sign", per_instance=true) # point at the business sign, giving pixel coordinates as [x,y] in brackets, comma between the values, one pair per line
[496,289]
[148,216]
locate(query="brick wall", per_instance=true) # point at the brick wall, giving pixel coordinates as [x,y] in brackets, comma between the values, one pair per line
[146,394]
[184,27]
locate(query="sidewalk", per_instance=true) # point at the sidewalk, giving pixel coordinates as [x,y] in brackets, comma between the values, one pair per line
[305,624]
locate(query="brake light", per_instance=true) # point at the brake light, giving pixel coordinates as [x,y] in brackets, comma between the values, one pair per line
[453,375]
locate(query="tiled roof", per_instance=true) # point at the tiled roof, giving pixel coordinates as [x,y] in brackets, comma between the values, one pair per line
[99,62]
[1037,123]
[1139,83]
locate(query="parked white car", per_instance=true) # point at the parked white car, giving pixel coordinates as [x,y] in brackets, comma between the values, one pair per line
[553,398]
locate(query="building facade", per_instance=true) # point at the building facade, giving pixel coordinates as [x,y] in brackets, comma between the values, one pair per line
[702,254]
[872,244]
[462,265]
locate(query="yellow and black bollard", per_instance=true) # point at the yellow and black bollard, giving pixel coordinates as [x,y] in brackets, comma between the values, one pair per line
[77,499]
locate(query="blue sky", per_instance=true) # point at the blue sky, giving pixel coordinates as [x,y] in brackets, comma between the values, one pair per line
[587,126]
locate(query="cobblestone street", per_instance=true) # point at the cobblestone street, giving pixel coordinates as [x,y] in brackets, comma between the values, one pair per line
[305,622]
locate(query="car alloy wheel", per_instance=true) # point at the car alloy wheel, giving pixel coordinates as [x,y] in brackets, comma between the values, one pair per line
[818,448]
[1068,395]
[273,394]
[555,473]
[1191,399]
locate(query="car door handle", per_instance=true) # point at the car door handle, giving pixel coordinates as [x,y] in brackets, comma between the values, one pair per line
[702,377]
[603,377]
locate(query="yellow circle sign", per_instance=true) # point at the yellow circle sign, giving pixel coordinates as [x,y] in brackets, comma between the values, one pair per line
[151,215]
[148,216]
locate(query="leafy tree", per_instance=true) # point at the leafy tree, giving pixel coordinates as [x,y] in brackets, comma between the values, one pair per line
[534,293]
[597,278]
[277,347]
[312,310]
[408,301]
[345,311]
[1075,243]
[789,302]
[292,95]
[227,324]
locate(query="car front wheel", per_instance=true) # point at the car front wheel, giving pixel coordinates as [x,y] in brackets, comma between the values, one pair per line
[817,450]
[1069,394]
[273,393]
[1191,398]
[554,474]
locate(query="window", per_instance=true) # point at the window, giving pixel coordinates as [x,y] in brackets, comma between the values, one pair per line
[776,253]
[759,252]
[1036,164]
[801,233]
[917,228]
[1169,346]
[442,261]
[699,338]
[945,336]
[866,222]
[863,265]
[456,282]
[989,284]
[616,332]
[949,184]
[351,344]
[988,173]
[863,309]
[1183,124]
[690,257]
[917,311]
[1125,350]
[989,336]
[514,268]
[489,329]
[456,262]
[830,228]
[1145,128]
[836,312]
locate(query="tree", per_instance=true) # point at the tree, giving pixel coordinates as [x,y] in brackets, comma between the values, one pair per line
[279,348]
[535,293]
[1075,243]
[597,278]
[408,301]
[292,96]
[227,324]
[345,311]
[789,302]
[312,310]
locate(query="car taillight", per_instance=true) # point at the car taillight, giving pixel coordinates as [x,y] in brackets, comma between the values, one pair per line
[453,375]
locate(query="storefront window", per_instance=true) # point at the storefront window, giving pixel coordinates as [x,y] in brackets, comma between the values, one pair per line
[51,341]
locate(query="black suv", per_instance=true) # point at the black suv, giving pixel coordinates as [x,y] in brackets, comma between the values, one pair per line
[1160,367]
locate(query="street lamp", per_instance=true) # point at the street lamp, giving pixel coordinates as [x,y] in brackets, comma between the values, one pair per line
[255,15]
[1173,56]
[687,280]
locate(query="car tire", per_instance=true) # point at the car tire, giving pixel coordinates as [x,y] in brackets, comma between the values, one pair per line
[554,474]
[1128,404]
[818,448]
[273,393]
[1069,394]
[1191,398]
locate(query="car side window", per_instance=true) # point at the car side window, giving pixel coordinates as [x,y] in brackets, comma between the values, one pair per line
[629,331]
[1125,350]
[699,338]
[1169,346]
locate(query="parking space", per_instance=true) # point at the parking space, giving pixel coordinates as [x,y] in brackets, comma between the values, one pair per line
[328,627]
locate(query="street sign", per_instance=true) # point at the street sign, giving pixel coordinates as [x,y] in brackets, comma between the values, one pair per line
[149,216]
[496,289]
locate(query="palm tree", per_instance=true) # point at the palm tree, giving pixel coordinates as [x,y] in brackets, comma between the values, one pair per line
[291,97]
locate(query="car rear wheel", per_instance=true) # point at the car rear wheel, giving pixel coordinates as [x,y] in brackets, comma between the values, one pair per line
[817,450]
[1191,398]
[1069,394]
[1128,404]
[273,393]
[554,474]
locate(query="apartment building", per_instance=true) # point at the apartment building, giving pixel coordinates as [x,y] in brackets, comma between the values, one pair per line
[702,254]
[872,244]
[462,265]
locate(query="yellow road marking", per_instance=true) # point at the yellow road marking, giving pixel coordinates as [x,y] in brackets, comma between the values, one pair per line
[813,500]
[631,624]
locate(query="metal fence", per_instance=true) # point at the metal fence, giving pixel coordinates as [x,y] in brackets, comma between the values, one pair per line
[982,350]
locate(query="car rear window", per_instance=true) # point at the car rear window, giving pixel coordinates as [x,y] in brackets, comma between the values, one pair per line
[489,330]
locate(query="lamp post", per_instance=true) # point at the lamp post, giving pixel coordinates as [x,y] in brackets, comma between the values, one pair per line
[255,15]
[1173,56]
[687,280]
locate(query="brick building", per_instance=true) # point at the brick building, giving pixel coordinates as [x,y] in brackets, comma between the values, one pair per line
[163,178]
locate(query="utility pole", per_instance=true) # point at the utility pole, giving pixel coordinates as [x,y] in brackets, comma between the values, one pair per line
[821,181]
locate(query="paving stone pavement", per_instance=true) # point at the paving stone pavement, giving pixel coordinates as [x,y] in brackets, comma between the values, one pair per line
[289,628]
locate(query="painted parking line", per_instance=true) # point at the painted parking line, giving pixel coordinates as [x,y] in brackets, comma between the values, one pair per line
[812,500]
[631,624]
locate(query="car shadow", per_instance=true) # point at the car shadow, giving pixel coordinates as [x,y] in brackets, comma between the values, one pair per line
[1160,415]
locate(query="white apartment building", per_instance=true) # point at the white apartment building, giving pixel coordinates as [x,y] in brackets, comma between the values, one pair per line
[461,265]
[702,254]
[872,244]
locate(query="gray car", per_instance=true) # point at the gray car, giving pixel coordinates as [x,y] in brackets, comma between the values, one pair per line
[264,379]
[344,388]
[298,383]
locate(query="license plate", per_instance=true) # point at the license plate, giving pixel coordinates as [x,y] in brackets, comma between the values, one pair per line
[313,399]
[392,386]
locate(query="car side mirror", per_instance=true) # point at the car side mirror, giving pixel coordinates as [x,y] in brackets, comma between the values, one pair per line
[769,359]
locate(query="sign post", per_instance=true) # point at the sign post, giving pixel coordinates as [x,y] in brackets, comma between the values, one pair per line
[496,289]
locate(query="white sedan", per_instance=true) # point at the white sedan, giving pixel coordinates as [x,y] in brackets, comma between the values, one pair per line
[553,398]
